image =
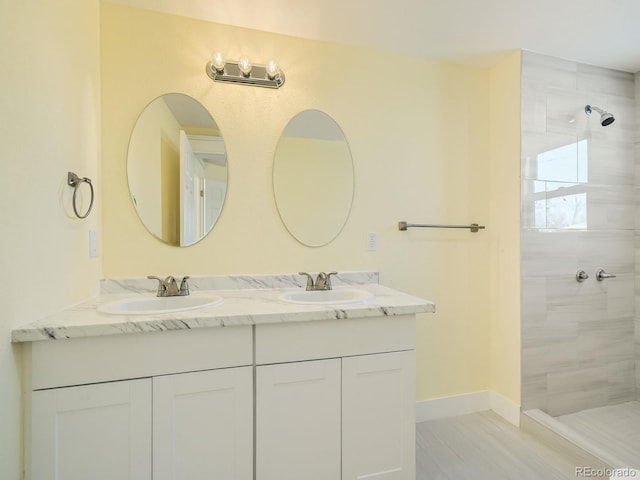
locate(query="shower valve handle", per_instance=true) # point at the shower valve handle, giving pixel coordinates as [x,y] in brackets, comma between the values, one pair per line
[581,276]
[601,275]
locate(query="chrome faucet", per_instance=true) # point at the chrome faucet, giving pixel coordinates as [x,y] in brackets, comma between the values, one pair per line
[323,281]
[169,286]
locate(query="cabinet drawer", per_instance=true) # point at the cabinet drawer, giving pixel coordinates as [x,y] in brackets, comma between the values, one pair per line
[77,361]
[291,342]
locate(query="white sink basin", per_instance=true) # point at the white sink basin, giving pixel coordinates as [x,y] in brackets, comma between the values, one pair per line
[155,305]
[338,296]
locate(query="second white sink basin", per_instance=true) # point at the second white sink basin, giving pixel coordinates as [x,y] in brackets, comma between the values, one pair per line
[338,296]
[154,305]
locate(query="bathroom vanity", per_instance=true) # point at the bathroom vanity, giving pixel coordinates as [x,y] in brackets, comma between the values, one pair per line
[256,382]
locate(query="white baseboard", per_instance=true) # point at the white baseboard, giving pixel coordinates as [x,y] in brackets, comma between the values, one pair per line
[468,403]
[452,406]
[504,407]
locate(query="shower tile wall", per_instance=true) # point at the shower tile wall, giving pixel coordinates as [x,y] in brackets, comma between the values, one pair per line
[578,212]
[637,237]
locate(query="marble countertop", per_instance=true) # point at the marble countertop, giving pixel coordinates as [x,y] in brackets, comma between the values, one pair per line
[247,300]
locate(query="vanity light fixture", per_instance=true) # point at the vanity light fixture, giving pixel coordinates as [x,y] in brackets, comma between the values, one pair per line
[218,62]
[243,71]
[245,66]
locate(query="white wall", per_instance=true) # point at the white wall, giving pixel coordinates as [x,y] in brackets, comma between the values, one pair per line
[49,124]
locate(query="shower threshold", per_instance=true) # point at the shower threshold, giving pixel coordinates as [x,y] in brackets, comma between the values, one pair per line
[603,437]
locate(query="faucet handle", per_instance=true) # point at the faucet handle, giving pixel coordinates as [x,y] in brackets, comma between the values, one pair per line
[184,286]
[310,285]
[601,275]
[161,285]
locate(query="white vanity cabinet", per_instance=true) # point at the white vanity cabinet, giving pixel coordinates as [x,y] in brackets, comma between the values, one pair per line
[318,395]
[189,417]
[335,400]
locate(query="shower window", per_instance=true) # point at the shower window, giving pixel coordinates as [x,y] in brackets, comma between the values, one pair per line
[556,188]
[560,205]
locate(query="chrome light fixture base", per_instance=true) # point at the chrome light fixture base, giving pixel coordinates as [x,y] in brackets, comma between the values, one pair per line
[257,76]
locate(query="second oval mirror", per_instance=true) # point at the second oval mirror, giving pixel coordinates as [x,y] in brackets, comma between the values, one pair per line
[313,178]
[177,169]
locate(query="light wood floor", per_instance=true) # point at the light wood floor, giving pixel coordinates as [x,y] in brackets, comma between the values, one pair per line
[483,446]
[615,428]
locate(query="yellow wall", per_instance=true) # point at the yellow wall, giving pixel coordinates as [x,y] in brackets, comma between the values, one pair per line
[314,181]
[423,148]
[49,124]
[420,144]
[505,227]
[152,156]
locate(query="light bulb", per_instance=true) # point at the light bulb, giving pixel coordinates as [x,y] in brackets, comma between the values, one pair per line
[218,62]
[273,72]
[244,65]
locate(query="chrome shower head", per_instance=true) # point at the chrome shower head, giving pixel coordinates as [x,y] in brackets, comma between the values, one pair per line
[606,118]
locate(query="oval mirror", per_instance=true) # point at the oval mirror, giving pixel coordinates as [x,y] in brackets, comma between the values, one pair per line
[313,178]
[177,169]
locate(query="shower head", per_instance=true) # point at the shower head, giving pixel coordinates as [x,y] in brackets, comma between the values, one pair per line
[606,118]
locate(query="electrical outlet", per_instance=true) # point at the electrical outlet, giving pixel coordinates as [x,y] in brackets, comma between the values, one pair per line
[372,241]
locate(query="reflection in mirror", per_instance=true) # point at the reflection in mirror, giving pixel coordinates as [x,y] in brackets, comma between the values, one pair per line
[177,169]
[313,178]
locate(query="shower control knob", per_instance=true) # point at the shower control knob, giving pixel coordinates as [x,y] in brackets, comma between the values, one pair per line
[581,276]
[601,275]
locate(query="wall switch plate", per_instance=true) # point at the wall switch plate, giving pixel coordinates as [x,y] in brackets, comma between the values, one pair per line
[93,243]
[372,241]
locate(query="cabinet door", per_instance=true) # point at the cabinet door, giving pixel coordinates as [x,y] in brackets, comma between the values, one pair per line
[378,416]
[298,421]
[98,432]
[203,425]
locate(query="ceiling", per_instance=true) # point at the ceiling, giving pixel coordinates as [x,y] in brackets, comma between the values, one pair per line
[477,32]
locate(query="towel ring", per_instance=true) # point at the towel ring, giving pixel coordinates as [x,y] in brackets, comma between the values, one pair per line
[74,181]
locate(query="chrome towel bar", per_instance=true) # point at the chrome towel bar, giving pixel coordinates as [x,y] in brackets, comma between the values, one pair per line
[474,227]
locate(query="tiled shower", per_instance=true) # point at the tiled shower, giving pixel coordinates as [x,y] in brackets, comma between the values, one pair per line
[579,339]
